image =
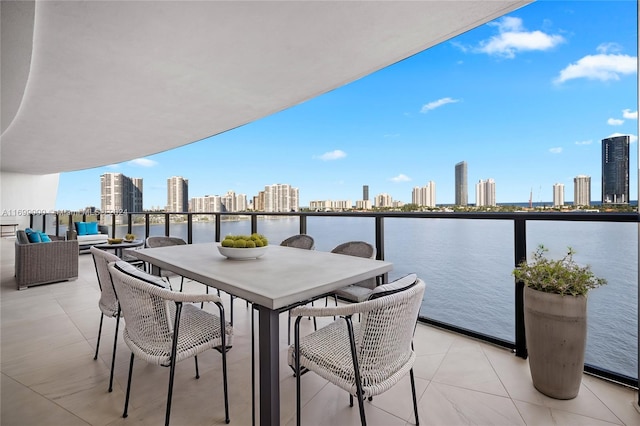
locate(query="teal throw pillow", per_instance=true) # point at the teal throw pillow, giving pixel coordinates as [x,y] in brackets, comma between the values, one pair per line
[81,228]
[34,237]
[44,238]
[92,228]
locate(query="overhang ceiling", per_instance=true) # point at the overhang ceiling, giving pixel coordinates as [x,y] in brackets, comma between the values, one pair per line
[86,84]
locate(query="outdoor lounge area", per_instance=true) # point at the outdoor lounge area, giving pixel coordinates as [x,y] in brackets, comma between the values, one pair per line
[49,376]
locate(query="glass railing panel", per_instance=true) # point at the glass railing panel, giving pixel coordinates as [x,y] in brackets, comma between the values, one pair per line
[612,251]
[330,231]
[137,226]
[278,228]
[204,228]
[466,265]
[235,225]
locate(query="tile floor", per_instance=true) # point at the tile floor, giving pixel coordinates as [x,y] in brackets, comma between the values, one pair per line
[49,377]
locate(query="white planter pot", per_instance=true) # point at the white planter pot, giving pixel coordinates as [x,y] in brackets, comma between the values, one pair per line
[556,333]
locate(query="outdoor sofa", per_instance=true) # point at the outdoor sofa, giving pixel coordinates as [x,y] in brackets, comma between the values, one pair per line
[44,262]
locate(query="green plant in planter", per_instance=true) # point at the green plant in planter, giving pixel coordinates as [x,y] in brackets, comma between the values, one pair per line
[555,318]
[562,276]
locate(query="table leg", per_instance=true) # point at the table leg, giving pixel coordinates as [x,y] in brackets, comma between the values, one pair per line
[269,350]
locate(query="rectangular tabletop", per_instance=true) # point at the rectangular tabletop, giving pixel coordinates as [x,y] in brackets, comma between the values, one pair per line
[283,277]
[280,278]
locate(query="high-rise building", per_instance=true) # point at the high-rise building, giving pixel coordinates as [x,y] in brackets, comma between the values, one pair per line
[486,193]
[383,200]
[558,194]
[582,190]
[120,194]
[365,192]
[363,205]
[462,191]
[206,204]
[615,170]
[281,198]
[425,196]
[177,194]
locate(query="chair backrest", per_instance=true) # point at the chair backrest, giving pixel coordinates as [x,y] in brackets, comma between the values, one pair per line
[108,302]
[301,241]
[158,241]
[148,315]
[358,249]
[386,331]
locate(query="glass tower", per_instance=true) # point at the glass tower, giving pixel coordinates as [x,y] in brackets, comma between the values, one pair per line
[615,170]
[461,184]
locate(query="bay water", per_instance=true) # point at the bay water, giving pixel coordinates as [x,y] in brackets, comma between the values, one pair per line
[467,266]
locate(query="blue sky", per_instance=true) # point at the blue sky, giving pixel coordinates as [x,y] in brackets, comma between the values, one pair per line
[525,100]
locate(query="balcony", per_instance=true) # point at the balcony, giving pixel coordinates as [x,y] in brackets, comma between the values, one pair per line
[49,376]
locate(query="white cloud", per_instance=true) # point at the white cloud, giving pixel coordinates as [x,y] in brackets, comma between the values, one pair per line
[143,162]
[605,48]
[630,115]
[589,142]
[557,150]
[601,67]
[615,122]
[436,104]
[512,38]
[632,138]
[113,166]
[332,155]
[400,178]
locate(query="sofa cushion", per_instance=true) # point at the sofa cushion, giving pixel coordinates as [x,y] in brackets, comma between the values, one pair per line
[92,228]
[81,228]
[396,286]
[21,237]
[34,237]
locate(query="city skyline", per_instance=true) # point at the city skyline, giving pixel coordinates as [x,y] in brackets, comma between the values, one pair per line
[525,100]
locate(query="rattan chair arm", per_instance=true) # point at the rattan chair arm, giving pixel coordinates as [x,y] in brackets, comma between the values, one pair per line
[178,297]
[334,311]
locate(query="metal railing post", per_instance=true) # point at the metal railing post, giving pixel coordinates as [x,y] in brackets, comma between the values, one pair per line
[380,244]
[189,228]
[520,255]
[254,223]
[303,224]
[166,224]
[218,227]
[147,225]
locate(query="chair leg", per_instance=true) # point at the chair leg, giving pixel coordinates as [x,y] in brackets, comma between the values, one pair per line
[231,320]
[253,368]
[224,366]
[113,355]
[296,339]
[413,392]
[172,365]
[197,371]
[181,283]
[126,399]
[356,370]
[99,334]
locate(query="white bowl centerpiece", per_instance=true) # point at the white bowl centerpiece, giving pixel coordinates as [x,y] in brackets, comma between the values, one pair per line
[240,247]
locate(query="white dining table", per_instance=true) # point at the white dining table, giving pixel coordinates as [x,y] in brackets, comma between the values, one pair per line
[282,278]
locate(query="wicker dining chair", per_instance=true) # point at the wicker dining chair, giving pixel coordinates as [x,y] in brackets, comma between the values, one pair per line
[108,302]
[301,241]
[365,358]
[162,327]
[162,241]
[360,291]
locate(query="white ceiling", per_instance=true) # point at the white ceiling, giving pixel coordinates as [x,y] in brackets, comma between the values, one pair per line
[86,84]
